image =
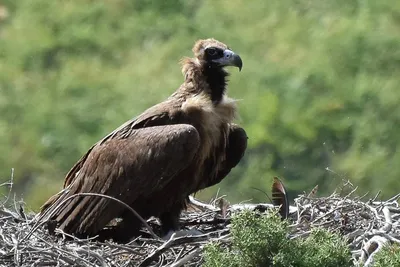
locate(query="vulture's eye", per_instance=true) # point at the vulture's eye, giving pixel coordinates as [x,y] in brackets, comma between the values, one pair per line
[212,51]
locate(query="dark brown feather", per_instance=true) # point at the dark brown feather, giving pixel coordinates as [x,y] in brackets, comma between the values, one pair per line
[313,192]
[280,198]
[156,160]
[119,161]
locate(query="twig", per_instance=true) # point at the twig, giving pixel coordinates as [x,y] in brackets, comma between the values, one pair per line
[10,184]
[187,258]
[170,243]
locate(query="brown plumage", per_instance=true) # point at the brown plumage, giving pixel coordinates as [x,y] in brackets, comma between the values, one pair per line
[156,160]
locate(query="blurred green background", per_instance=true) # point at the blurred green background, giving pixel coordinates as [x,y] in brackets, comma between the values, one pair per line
[319,87]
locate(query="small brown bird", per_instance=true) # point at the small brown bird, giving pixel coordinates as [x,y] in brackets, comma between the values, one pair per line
[155,161]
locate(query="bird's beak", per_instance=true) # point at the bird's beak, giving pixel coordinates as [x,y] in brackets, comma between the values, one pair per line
[230,59]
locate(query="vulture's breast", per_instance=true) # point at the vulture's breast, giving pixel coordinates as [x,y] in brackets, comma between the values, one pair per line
[211,120]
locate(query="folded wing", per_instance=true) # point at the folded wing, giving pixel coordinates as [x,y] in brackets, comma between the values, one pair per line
[142,162]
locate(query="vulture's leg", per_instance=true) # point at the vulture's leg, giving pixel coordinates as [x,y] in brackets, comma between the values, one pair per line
[170,223]
[124,230]
[170,219]
[237,144]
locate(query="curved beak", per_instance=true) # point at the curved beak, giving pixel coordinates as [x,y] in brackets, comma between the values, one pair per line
[230,59]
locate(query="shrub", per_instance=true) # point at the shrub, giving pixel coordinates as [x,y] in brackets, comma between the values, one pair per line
[264,240]
[388,256]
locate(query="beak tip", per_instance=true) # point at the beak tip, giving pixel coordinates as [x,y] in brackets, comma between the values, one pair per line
[238,62]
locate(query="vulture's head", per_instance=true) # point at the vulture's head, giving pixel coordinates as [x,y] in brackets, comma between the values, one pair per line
[216,54]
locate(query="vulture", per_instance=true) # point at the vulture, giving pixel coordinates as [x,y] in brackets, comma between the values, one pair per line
[155,161]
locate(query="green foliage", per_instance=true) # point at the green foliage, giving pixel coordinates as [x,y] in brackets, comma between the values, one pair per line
[264,241]
[323,248]
[387,257]
[319,86]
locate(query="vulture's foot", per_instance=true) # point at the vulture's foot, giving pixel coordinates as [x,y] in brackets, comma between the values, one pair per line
[115,234]
[121,231]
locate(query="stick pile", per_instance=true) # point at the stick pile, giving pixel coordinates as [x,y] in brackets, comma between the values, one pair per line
[367,225]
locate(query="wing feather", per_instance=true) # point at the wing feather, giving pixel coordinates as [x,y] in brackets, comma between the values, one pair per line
[151,117]
[145,161]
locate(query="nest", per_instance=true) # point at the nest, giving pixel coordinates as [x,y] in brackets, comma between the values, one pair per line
[25,241]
